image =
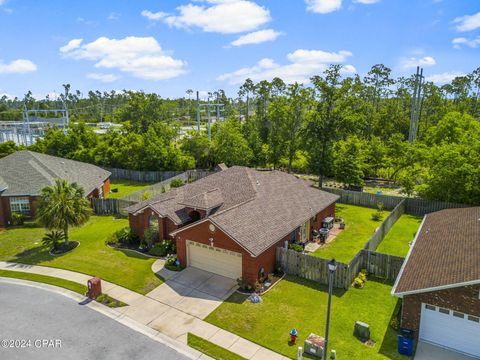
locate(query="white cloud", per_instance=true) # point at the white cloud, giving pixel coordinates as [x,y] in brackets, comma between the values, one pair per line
[154,16]
[113,16]
[20,66]
[107,78]
[323,6]
[366,2]
[72,44]
[473,43]
[303,65]
[256,37]
[467,22]
[142,57]
[220,16]
[443,78]
[413,62]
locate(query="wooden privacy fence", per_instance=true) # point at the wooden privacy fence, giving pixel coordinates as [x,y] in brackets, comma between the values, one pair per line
[110,206]
[316,269]
[141,176]
[386,225]
[413,206]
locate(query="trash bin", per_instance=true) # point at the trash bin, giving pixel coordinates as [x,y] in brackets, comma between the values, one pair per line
[406,341]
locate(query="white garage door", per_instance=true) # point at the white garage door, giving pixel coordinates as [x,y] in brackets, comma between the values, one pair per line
[213,259]
[450,329]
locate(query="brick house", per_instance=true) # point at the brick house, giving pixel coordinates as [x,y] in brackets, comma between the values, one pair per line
[24,174]
[440,281]
[231,222]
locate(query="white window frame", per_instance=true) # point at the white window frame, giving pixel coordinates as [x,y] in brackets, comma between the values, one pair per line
[20,204]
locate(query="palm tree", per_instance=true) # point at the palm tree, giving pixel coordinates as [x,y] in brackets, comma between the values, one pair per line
[63,205]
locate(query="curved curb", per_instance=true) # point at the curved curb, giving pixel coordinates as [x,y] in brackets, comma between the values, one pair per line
[115,315]
[78,244]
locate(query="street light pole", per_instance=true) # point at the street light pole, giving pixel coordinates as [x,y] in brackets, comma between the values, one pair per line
[332,266]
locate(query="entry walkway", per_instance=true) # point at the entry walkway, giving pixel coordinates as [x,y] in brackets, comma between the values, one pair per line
[175,308]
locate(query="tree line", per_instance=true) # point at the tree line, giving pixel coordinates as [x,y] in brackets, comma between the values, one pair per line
[344,127]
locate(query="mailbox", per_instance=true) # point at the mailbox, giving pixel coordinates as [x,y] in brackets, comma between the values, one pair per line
[94,288]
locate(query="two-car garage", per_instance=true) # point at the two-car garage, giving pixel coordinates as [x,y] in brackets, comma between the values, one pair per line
[213,259]
[450,329]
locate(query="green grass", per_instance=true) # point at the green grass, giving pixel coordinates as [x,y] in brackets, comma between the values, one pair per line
[125,187]
[397,239]
[70,285]
[92,257]
[359,227]
[107,300]
[301,304]
[211,349]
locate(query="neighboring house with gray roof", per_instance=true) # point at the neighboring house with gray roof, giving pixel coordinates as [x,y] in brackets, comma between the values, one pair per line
[232,221]
[24,174]
[440,281]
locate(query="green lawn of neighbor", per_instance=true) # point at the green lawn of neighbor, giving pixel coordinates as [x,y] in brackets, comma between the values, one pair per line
[125,187]
[92,257]
[70,285]
[359,227]
[301,304]
[211,349]
[400,235]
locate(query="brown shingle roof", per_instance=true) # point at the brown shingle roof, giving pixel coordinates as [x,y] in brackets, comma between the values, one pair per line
[255,208]
[446,252]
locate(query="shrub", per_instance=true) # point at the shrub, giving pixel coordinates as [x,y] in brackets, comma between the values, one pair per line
[163,189]
[295,247]
[395,324]
[362,277]
[146,195]
[380,207]
[377,216]
[52,239]
[176,183]
[171,263]
[18,219]
[358,283]
[151,236]
[164,248]
[124,237]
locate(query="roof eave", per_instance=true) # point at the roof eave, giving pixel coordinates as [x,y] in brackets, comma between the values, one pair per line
[438,288]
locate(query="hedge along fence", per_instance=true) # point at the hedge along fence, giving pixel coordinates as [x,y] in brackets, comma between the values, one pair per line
[413,206]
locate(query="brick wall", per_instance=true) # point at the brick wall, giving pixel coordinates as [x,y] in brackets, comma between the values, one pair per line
[139,223]
[5,212]
[316,222]
[463,299]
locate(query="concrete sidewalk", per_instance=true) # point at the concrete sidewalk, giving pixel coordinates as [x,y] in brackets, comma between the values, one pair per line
[157,313]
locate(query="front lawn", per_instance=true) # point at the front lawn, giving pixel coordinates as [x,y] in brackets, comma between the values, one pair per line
[359,227]
[93,257]
[211,349]
[400,235]
[125,187]
[301,304]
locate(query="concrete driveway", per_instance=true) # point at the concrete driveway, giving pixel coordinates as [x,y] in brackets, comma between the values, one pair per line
[194,291]
[427,351]
[73,331]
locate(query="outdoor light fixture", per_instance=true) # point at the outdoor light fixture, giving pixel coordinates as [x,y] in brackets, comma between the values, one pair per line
[332,266]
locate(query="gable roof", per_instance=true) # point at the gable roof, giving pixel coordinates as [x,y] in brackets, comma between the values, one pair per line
[3,184]
[255,208]
[445,253]
[27,173]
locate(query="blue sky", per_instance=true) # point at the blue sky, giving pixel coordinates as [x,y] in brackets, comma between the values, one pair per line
[169,46]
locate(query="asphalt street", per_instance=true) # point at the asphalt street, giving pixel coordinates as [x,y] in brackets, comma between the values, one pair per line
[38,324]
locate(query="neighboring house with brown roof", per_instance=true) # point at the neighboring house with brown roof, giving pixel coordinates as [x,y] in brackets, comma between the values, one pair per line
[440,281]
[24,174]
[232,221]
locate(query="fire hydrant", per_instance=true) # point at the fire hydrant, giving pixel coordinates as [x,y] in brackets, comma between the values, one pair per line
[293,335]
